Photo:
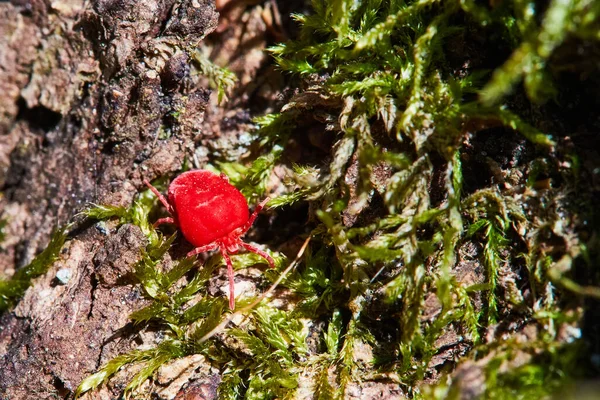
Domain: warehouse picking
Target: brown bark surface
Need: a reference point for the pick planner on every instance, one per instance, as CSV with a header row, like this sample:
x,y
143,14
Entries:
x,y
95,97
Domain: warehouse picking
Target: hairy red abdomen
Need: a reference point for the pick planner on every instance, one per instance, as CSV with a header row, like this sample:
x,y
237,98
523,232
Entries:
x,y
206,206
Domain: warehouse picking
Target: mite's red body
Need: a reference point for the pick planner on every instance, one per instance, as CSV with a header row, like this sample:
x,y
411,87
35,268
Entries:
x,y
207,207
211,214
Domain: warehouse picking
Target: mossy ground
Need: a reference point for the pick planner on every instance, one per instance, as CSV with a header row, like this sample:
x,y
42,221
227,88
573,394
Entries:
x,y
451,221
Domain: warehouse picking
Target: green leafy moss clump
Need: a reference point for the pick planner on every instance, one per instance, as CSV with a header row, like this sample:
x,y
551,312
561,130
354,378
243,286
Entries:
x,y
12,289
427,254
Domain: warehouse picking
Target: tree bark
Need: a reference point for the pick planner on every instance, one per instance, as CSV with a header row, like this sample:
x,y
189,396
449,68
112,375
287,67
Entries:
x,y
95,97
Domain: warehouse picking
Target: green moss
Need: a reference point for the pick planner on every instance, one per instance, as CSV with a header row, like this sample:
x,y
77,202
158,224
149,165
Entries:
x,y
3,223
544,375
220,78
12,289
384,77
528,61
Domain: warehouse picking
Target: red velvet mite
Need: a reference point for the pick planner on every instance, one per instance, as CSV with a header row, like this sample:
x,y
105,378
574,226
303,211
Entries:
x,y
211,214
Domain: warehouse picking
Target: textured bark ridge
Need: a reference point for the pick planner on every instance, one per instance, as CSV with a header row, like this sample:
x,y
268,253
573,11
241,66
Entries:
x,y
95,96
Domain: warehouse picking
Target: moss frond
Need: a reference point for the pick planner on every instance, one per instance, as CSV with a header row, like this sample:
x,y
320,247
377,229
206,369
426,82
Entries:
x,y
12,289
530,58
221,78
275,347
153,359
252,181
103,212
3,223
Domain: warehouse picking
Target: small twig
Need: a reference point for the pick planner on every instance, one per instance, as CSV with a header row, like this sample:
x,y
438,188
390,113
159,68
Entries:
x,y
217,329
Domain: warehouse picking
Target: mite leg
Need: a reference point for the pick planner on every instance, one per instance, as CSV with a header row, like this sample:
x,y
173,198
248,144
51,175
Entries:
x,y
230,276
163,221
201,249
258,251
162,198
252,218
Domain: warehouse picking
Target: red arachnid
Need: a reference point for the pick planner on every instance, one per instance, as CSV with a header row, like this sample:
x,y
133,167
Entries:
x,y
211,213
